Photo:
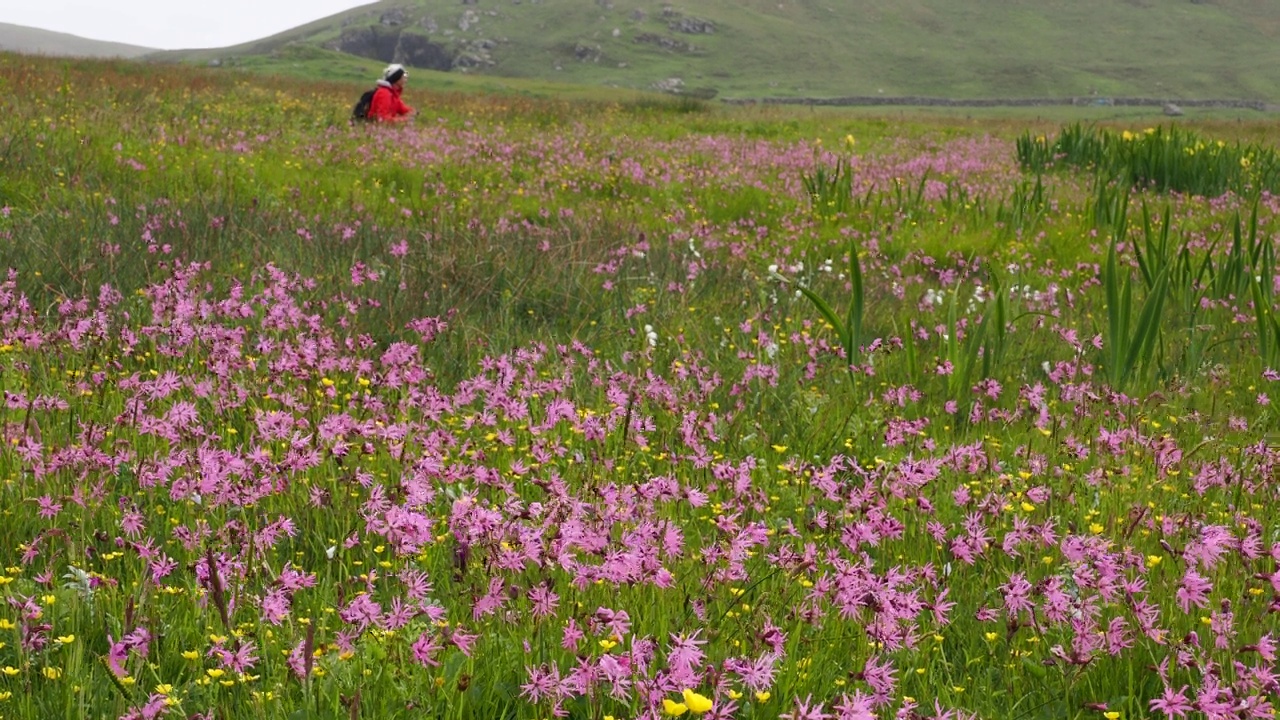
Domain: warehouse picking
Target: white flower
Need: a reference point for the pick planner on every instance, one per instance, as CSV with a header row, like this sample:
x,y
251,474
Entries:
x,y
773,268
79,581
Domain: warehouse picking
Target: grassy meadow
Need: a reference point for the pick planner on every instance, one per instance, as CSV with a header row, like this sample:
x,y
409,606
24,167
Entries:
x,y
628,407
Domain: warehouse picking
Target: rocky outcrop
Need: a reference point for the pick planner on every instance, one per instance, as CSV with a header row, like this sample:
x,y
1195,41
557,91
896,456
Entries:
x,y
474,54
692,26
679,22
370,41
394,17
394,44
419,51
587,52
664,42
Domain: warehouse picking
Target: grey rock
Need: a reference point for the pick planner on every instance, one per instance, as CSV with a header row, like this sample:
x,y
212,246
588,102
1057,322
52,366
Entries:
x,y
692,26
664,42
669,85
394,45
394,17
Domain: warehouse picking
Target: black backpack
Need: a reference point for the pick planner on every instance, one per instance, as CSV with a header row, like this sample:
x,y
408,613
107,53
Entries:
x,y
360,113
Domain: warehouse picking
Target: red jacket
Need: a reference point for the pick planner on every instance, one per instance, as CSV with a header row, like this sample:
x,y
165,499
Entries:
x,y
387,104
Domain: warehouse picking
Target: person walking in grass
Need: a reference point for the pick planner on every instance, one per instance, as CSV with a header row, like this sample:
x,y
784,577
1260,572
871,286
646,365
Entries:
x,y
387,105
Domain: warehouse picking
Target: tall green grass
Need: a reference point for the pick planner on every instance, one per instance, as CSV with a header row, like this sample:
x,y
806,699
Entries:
x,y
1162,158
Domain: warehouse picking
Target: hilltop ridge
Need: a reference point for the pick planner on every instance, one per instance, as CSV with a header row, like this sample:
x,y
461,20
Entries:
x,y
34,41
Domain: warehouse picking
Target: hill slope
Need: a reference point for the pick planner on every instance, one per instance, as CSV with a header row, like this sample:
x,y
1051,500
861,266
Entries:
x,y
788,48
34,41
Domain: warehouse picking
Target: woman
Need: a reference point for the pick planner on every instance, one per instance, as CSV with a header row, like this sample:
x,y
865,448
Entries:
x,y
387,105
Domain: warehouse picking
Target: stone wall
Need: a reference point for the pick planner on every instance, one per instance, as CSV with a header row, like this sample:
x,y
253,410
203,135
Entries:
x,y
909,101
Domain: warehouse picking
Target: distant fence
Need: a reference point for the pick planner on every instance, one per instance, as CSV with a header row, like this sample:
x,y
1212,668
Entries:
x,y
909,101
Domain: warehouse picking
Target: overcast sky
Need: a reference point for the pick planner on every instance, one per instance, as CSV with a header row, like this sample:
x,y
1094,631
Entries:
x,y
170,24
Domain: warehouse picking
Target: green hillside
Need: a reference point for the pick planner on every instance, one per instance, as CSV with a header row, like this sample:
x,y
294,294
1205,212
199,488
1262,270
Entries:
x,y
795,48
34,41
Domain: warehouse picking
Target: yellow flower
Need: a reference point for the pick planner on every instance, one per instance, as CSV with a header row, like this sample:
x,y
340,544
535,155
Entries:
x,y
607,645
66,639
1111,715
1153,560
6,624
734,695
215,673
10,670
779,448
762,696
164,689
672,708
52,673
698,704
190,655
1028,507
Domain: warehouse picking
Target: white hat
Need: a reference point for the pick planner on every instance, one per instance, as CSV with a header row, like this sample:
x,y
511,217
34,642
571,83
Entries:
x,y
394,70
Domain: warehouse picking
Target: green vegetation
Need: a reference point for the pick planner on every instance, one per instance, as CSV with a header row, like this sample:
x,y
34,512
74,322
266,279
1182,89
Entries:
x,y
762,48
621,407
1165,159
